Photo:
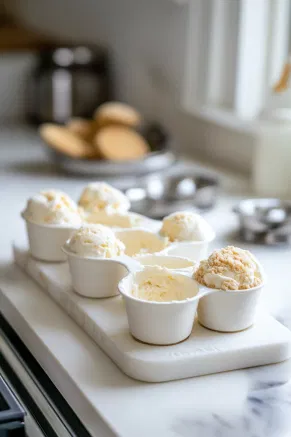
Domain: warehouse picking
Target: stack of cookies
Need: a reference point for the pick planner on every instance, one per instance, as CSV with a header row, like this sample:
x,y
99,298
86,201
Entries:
x,y
112,134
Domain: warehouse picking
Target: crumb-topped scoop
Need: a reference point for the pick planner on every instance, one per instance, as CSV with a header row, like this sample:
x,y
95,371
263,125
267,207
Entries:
x,y
230,268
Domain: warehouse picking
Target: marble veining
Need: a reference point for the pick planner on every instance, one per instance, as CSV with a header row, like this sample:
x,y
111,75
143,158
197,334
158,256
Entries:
x,y
267,412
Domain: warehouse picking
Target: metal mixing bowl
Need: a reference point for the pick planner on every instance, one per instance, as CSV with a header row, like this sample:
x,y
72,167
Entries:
x,y
266,221
159,195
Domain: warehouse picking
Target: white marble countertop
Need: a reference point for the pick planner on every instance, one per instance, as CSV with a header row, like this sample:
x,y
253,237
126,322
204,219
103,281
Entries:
x,y
248,403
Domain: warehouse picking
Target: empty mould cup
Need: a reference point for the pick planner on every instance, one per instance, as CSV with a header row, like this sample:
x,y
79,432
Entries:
x,y
193,250
116,220
141,241
162,322
177,263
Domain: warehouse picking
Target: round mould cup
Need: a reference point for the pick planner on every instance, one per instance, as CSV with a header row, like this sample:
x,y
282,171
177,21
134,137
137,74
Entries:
x,y
193,250
125,221
176,263
98,277
228,311
117,220
46,241
160,323
139,239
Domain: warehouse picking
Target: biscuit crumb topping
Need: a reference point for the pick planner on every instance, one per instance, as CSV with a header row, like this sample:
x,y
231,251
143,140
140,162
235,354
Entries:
x,y
230,268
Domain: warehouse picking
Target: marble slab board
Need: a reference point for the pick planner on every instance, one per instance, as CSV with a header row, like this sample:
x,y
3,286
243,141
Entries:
x,y
204,352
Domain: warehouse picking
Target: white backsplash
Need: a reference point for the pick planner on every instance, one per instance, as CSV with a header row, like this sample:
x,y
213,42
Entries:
x,y
15,69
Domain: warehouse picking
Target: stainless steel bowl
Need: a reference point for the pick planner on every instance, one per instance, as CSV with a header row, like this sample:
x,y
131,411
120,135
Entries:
x,y
265,221
159,195
155,161
159,158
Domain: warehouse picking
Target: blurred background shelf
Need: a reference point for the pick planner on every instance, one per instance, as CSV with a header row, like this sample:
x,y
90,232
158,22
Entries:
x,y
14,38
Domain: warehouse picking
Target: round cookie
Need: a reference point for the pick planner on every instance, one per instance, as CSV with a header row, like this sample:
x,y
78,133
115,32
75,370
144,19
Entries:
x,y
120,143
117,113
65,141
85,129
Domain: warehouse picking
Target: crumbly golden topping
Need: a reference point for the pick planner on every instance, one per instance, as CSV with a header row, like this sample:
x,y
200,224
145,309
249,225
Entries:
x,y
230,268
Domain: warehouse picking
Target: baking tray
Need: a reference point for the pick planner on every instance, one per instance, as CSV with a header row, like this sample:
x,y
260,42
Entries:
x,y
204,352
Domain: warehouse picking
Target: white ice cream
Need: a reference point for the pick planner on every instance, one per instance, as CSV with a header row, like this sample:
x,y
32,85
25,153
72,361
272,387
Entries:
x,y
95,241
159,284
230,268
186,226
139,241
100,196
52,207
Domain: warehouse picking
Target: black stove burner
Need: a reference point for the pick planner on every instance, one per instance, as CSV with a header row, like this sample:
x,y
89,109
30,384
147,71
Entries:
x,y
11,414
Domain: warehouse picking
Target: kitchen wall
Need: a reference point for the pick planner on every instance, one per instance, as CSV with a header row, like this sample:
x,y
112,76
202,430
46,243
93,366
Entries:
x,y
14,72
147,42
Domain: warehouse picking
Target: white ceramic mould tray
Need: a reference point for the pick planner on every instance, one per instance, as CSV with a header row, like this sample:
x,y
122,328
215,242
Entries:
x,y
204,352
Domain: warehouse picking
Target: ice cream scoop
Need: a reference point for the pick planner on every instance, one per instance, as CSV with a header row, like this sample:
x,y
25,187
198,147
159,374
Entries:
x,y
100,196
230,268
95,241
186,226
52,207
50,216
